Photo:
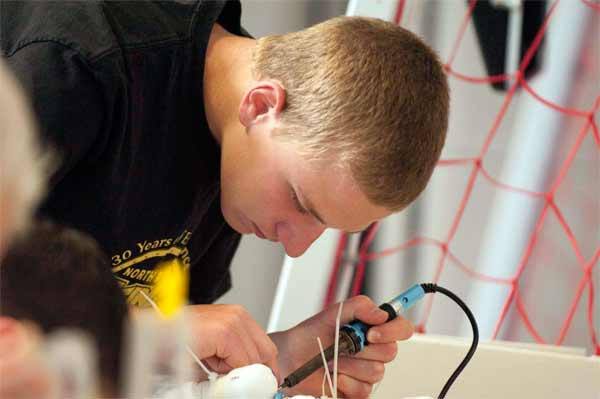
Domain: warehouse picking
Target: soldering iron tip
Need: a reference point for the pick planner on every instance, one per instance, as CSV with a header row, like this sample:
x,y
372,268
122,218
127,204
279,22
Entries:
x,y
284,384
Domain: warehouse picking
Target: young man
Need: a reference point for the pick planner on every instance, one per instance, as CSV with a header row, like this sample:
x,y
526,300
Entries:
x,y
178,133
57,277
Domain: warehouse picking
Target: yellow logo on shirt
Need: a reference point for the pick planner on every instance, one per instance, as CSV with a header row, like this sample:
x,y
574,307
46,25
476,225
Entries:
x,y
136,269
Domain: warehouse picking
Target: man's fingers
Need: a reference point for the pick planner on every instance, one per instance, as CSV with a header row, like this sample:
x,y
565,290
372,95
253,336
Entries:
x,y
367,371
274,366
363,308
261,347
266,348
352,388
217,365
396,330
235,348
380,352
248,341
229,333
358,307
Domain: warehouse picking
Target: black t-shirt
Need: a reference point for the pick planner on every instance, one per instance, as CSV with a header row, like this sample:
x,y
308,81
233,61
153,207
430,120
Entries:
x,y
117,88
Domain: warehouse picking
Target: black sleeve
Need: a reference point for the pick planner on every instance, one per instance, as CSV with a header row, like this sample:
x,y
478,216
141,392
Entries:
x,y
230,19
209,283
66,98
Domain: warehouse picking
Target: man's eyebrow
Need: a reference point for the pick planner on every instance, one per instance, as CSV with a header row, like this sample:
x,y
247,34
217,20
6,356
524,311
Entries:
x,y
311,209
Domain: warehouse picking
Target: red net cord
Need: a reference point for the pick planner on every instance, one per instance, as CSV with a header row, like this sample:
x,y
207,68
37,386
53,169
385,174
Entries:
x,y
477,170
399,12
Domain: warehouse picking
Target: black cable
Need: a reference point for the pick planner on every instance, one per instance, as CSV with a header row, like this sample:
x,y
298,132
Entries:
x,y
432,288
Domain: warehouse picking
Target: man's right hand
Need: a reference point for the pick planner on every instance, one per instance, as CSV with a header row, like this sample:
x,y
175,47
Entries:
x,y
227,337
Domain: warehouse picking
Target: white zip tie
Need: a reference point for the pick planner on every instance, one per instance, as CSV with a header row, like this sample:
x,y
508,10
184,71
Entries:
x,y
212,376
151,302
336,346
325,364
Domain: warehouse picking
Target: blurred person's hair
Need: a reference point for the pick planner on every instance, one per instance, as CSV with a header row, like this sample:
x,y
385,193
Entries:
x,y
59,278
364,95
22,175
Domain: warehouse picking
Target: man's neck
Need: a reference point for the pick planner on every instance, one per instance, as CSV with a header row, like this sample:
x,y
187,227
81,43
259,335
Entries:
x,y
227,72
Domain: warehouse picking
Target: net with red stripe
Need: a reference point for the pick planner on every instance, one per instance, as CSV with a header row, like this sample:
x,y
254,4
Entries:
x,y
553,204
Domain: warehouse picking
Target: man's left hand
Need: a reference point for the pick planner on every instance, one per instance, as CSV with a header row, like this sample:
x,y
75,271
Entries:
x,y
356,374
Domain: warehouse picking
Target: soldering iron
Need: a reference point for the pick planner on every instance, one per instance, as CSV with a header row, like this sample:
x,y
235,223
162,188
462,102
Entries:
x,y
353,336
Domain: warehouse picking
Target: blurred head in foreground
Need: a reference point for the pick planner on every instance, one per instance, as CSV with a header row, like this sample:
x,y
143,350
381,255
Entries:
x,y
58,278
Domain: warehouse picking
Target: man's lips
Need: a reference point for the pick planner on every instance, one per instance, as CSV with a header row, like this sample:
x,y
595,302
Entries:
x,y
257,231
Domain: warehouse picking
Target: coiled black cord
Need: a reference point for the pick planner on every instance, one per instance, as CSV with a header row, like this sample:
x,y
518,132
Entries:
x,y
432,288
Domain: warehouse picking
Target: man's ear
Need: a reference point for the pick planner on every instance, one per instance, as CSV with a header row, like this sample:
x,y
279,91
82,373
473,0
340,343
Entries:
x,y
263,100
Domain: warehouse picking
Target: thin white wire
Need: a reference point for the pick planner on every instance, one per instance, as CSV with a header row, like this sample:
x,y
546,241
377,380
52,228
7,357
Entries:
x,y
376,388
336,346
325,365
211,375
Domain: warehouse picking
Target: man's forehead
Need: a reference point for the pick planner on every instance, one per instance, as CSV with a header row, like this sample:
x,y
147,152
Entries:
x,y
331,192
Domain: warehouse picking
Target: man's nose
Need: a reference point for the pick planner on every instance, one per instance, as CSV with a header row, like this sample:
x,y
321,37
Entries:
x,y
306,236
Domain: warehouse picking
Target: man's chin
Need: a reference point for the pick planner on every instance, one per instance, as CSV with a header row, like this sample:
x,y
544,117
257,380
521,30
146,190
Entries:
x,y
294,253
236,222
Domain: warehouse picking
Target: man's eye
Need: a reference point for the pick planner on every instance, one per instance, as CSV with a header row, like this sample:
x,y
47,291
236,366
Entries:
x,y
297,203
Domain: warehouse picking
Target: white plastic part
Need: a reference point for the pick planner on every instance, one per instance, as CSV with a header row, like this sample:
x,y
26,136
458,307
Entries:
x,y
157,354
251,382
255,381
72,357
189,390
211,375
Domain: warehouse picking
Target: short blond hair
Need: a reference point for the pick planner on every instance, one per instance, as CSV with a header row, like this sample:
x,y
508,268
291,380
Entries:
x,y
366,94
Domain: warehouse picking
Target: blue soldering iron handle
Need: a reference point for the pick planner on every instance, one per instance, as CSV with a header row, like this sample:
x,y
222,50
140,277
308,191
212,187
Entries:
x,y
393,308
